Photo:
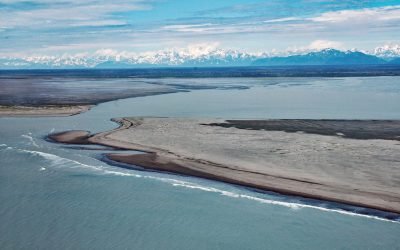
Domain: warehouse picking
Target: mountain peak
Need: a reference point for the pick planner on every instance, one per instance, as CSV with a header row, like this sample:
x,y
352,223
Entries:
x,y
329,50
195,56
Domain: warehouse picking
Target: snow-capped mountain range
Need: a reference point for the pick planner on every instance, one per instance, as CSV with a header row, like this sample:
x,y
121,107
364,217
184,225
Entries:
x,y
203,56
323,57
387,51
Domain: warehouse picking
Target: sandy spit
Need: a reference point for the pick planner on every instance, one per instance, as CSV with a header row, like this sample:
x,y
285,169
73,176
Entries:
x,y
358,172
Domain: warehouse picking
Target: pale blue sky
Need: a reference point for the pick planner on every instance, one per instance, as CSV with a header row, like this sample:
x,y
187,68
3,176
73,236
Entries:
x,y
51,27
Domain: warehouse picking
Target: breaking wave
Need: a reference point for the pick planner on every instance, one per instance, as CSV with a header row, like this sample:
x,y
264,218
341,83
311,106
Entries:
x,y
58,161
291,205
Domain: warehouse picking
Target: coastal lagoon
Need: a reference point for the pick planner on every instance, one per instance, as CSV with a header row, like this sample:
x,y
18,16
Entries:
x,y
62,196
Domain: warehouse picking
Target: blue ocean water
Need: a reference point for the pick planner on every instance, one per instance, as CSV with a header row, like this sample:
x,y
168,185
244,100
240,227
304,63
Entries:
x,y
54,196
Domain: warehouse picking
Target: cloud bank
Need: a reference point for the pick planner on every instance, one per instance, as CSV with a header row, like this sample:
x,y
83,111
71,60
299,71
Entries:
x,y
73,27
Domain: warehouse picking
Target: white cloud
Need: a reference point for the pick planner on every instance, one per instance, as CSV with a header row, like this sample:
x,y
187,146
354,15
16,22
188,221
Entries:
x,y
70,13
336,21
324,44
189,27
316,45
286,19
94,23
364,15
58,26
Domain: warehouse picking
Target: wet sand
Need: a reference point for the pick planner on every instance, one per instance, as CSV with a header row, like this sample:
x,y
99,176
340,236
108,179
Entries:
x,y
358,172
71,137
41,111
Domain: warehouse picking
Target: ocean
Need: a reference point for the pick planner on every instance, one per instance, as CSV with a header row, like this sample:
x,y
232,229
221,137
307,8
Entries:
x,y
55,196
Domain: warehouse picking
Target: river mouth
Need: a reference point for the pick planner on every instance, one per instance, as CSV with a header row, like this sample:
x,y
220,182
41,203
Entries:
x,y
70,194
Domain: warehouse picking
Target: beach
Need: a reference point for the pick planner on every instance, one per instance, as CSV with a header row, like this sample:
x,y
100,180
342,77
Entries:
x,y
305,163
43,111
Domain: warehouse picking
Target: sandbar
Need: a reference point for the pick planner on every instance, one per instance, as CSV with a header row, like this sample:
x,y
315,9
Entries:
x,y
360,172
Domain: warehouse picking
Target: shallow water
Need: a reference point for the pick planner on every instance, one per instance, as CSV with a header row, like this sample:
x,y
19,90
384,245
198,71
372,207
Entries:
x,y
53,196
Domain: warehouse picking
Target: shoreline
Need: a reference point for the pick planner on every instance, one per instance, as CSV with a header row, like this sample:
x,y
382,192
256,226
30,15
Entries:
x,y
159,159
35,97
43,110
152,161
63,110
296,198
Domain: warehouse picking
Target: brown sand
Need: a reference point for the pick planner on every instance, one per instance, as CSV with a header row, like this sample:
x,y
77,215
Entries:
x,y
71,137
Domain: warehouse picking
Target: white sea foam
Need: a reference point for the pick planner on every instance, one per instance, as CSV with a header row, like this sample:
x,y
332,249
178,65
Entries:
x,y
30,138
291,205
58,161
122,173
